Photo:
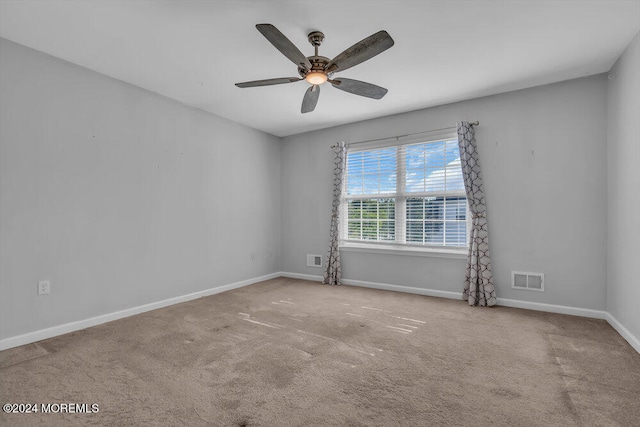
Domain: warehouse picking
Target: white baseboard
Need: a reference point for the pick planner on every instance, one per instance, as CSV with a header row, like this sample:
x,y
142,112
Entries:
x,y
53,331
301,276
553,308
405,289
624,332
383,286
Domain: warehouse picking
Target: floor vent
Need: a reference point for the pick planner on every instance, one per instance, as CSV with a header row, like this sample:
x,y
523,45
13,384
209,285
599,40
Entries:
x,y
527,281
314,260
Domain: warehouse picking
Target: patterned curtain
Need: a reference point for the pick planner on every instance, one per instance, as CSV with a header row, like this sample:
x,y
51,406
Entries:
x,y
333,272
478,285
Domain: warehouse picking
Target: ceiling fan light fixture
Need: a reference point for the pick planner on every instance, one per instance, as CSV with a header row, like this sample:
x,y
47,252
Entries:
x,y
316,78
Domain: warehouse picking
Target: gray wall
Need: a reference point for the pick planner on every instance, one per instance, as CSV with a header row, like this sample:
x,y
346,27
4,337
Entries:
x,y
121,197
623,291
543,154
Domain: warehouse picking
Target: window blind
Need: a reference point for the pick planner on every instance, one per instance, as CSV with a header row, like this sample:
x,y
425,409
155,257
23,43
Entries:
x,y
410,194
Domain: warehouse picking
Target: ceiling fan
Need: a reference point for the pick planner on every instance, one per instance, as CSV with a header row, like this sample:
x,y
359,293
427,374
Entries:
x,y
317,70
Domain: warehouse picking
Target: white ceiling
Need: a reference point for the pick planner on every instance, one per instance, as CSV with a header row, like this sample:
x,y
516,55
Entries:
x,y
445,51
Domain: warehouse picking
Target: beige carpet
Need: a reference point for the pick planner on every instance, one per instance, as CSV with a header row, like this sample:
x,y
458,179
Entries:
x,y
291,353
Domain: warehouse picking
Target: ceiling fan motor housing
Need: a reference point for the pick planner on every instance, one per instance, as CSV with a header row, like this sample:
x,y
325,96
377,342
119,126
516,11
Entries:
x,y
318,62
317,65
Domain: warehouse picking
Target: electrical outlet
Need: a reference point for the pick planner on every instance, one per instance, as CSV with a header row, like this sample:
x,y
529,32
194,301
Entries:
x,y
253,257
44,287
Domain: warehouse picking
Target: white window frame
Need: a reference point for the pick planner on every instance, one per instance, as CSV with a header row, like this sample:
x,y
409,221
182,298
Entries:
x,y
400,247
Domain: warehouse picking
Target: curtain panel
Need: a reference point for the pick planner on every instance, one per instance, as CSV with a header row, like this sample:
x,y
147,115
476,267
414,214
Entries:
x,y
478,285
333,271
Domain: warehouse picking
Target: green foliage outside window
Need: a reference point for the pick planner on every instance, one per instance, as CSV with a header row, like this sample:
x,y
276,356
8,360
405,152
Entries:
x,y
372,219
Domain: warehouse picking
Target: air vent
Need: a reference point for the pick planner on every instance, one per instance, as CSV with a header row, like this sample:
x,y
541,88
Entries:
x,y
527,281
314,260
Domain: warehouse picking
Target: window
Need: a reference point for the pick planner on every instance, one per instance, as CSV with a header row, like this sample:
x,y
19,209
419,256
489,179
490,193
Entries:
x,y
405,194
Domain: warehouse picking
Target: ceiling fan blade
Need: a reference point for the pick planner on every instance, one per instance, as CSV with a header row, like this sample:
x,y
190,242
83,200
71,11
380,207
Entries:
x,y
361,51
359,88
310,99
284,45
269,82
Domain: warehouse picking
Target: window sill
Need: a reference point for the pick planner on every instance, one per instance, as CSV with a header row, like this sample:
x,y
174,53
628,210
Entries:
x,y
458,253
